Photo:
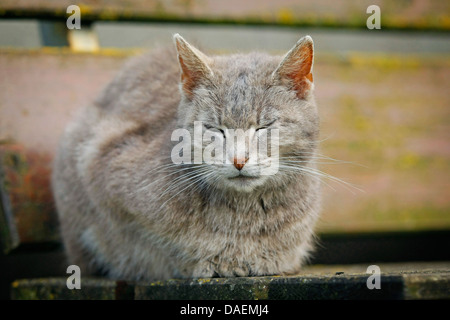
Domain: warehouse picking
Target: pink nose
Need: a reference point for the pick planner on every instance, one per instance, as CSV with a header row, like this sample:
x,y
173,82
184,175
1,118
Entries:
x,y
240,163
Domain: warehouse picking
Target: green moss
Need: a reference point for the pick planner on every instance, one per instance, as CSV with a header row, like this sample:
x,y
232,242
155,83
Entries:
x,y
182,11
351,114
286,16
260,290
399,216
413,161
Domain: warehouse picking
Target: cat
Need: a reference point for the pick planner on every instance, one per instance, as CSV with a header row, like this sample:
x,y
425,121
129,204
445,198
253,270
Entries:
x,y
127,211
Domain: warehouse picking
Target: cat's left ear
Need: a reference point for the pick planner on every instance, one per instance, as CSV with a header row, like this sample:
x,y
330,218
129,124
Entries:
x,y
193,63
295,70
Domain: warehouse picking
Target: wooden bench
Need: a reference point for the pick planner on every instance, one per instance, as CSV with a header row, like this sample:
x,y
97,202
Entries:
x,y
397,219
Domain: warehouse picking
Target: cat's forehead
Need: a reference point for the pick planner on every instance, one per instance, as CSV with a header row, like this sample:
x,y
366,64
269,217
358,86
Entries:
x,y
243,104
242,85
245,69
242,79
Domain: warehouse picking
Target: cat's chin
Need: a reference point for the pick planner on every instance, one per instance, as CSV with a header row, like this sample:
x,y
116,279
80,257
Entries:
x,y
243,183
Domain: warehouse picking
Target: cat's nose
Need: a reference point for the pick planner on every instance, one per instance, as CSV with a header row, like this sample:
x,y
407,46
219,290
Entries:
x,y
239,163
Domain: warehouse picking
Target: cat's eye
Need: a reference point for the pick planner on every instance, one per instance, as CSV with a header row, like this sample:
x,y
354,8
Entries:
x,y
266,125
209,127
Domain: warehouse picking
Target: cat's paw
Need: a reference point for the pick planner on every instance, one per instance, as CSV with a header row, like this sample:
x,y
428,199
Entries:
x,y
232,269
204,270
223,269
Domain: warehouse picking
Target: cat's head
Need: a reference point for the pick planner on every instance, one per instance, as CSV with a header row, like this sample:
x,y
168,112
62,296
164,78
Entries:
x,y
270,98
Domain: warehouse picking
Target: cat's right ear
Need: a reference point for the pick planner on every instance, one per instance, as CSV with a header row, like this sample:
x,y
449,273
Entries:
x,y
295,70
193,63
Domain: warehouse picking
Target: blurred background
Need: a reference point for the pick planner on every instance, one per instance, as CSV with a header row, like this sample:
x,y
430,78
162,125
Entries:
x,y
383,96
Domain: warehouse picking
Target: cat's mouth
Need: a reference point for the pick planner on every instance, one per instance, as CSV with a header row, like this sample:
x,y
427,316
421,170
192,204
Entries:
x,y
242,178
244,183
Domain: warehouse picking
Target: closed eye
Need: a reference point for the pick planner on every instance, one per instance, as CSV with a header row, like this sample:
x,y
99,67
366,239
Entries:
x,y
209,127
266,125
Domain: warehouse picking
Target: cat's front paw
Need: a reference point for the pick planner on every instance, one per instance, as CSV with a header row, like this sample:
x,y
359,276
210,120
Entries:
x,y
221,269
233,270
204,270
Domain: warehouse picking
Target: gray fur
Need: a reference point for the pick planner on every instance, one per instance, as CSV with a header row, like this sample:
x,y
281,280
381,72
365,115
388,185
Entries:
x,y
128,212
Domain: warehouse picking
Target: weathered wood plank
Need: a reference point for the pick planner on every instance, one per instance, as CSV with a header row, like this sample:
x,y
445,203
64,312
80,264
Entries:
x,y
27,204
399,15
398,146
409,281
40,93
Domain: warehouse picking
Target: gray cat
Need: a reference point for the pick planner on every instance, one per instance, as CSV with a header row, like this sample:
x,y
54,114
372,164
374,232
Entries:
x,y
128,210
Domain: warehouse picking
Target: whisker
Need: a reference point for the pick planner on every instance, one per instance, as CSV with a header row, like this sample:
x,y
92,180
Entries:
x,y
290,169
318,156
318,173
189,185
165,176
190,175
318,162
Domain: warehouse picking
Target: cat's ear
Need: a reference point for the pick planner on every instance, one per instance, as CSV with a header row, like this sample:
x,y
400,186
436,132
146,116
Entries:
x,y
295,70
193,63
